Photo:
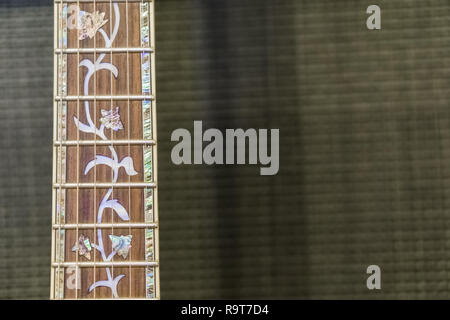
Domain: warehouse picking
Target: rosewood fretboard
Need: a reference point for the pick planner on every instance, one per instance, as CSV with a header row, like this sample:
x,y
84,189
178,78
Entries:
x,y
105,217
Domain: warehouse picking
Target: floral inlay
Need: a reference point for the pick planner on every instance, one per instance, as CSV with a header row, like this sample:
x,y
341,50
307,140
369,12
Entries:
x,y
121,244
87,23
89,26
83,246
111,119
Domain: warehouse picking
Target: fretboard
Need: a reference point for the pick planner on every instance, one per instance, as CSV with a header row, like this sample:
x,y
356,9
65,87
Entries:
x,y
105,201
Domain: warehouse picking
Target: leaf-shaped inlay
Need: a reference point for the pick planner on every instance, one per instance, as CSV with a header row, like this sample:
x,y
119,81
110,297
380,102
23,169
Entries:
x,y
126,163
82,127
99,160
110,284
118,208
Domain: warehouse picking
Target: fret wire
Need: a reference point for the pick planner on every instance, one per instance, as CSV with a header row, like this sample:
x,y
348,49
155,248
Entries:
x,y
104,50
70,226
105,185
90,264
101,142
118,97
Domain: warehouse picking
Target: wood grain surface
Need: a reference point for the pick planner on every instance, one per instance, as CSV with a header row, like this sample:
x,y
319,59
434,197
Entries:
x,y
82,204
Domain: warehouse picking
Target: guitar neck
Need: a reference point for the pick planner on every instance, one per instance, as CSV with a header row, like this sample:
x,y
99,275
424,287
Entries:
x,y
105,199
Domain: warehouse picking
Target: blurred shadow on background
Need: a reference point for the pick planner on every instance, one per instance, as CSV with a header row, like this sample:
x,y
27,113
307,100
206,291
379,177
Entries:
x,y
363,148
25,3
232,233
26,115
250,64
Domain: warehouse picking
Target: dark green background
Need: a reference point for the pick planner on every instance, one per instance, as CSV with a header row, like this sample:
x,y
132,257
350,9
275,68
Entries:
x,y
364,150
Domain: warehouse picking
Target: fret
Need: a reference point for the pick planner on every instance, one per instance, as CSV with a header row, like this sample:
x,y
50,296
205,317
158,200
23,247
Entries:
x,y
104,97
105,226
103,50
104,185
106,264
104,143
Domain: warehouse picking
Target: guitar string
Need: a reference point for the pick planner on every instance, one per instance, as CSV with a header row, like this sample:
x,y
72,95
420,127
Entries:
x,y
59,175
151,44
55,214
111,129
143,125
95,151
58,165
78,153
129,137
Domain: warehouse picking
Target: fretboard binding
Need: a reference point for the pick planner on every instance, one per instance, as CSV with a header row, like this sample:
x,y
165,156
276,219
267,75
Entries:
x,y
130,97
103,50
71,226
104,142
89,264
103,185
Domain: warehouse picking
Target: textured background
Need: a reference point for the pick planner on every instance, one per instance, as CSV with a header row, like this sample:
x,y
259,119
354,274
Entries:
x,y
364,149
